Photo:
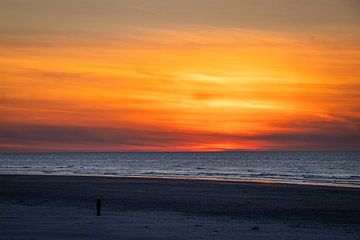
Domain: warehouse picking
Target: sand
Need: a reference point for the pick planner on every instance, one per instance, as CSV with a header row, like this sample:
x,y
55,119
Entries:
x,y
63,207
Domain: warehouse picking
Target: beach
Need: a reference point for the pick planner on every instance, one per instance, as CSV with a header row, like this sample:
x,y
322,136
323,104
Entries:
x,y
64,207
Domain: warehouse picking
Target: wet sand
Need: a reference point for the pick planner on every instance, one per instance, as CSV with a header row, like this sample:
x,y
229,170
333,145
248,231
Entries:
x,y
58,207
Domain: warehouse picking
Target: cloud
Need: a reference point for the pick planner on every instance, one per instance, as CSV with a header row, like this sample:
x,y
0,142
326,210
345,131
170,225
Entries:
x,y
263,14
72,137
38,134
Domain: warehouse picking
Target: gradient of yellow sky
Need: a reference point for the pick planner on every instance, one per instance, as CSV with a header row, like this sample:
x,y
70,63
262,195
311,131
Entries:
x,y
135,82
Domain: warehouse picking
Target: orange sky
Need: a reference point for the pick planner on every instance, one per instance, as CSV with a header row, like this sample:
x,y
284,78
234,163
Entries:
x,y
141,84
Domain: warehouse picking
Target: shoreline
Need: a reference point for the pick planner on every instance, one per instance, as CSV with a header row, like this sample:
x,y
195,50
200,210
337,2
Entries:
x,y
255,181
116,187
63,207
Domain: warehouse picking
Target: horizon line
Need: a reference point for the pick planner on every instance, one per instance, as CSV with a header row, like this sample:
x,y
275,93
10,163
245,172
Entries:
x,y
169,151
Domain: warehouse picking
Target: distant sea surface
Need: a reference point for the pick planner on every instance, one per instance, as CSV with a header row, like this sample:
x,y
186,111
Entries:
x,y
339,168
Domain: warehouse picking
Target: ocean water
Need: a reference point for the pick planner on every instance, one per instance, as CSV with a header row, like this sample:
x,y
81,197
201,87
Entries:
x,y
297,167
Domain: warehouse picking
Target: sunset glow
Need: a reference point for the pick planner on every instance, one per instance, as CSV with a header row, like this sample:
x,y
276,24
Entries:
x,y
182,86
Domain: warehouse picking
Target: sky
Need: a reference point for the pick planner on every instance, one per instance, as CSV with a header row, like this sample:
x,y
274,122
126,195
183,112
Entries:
x,y
168,75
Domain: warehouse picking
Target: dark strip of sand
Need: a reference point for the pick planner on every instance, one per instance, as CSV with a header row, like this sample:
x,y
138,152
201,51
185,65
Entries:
x,y
286,202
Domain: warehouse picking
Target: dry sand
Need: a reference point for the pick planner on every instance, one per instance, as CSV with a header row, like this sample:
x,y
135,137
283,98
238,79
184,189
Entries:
x,y
59,207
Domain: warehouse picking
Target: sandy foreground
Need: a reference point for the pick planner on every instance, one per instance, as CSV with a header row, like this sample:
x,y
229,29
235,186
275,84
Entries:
x,y
63,207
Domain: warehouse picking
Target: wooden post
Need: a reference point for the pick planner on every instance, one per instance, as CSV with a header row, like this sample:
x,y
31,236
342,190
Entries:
x,y
98,207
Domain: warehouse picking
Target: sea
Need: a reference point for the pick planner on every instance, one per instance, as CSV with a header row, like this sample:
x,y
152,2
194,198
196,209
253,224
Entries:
x,y
319,168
